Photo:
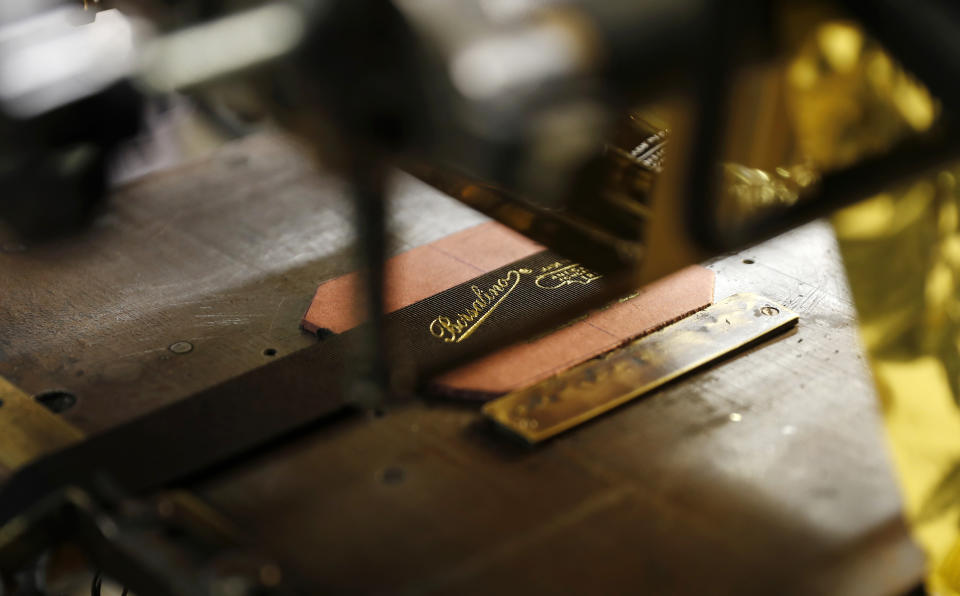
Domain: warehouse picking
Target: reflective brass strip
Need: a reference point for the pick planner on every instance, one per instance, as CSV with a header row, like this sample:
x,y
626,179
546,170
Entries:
x,y
28,430
586,391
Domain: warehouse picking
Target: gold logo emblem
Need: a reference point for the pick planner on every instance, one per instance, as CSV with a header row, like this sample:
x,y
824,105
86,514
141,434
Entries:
x,y
558,275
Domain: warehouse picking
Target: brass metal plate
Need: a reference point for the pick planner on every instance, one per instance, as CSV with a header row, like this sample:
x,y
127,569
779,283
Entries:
x,y
28,430
586,391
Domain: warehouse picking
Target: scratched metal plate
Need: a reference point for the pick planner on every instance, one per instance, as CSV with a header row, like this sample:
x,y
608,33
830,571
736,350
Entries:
x,y
586,391
28,430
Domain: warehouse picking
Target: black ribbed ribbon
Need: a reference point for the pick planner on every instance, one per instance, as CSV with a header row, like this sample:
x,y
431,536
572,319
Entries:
x,y
181,439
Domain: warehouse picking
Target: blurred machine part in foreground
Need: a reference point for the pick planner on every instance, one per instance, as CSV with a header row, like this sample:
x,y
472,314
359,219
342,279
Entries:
x,y
635,137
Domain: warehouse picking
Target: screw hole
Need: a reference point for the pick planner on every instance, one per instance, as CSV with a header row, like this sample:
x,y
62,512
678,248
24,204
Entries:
x,y
1,403
770,311
237,161
270,352
56,401
392,475
748,261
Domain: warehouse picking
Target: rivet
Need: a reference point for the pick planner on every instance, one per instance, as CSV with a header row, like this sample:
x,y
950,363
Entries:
x,y
181,347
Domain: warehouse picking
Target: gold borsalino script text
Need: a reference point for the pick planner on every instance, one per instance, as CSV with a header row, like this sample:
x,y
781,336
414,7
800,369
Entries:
x,y
458,327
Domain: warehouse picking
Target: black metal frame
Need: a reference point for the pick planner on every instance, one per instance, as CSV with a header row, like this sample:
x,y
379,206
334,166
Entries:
x,y
923,35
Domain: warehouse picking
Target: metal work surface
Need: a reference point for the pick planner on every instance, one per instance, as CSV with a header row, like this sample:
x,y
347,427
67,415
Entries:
x,y
766,474
193,277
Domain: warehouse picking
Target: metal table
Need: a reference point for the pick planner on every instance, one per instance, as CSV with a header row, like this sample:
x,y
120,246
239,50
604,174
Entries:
x,y
765,474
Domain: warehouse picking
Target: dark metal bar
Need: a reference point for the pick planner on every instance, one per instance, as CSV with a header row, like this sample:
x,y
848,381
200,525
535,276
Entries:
x,y
847,186
369,377
248,411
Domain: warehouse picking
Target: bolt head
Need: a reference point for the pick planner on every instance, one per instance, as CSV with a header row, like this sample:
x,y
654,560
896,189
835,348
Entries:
x,y
181,347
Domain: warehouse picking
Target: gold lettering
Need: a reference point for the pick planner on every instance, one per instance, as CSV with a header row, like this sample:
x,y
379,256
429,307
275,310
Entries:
x,y
459,329
482,300
440,327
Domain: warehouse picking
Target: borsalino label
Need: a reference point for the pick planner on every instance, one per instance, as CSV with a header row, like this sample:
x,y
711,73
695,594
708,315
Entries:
x,y
456,327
